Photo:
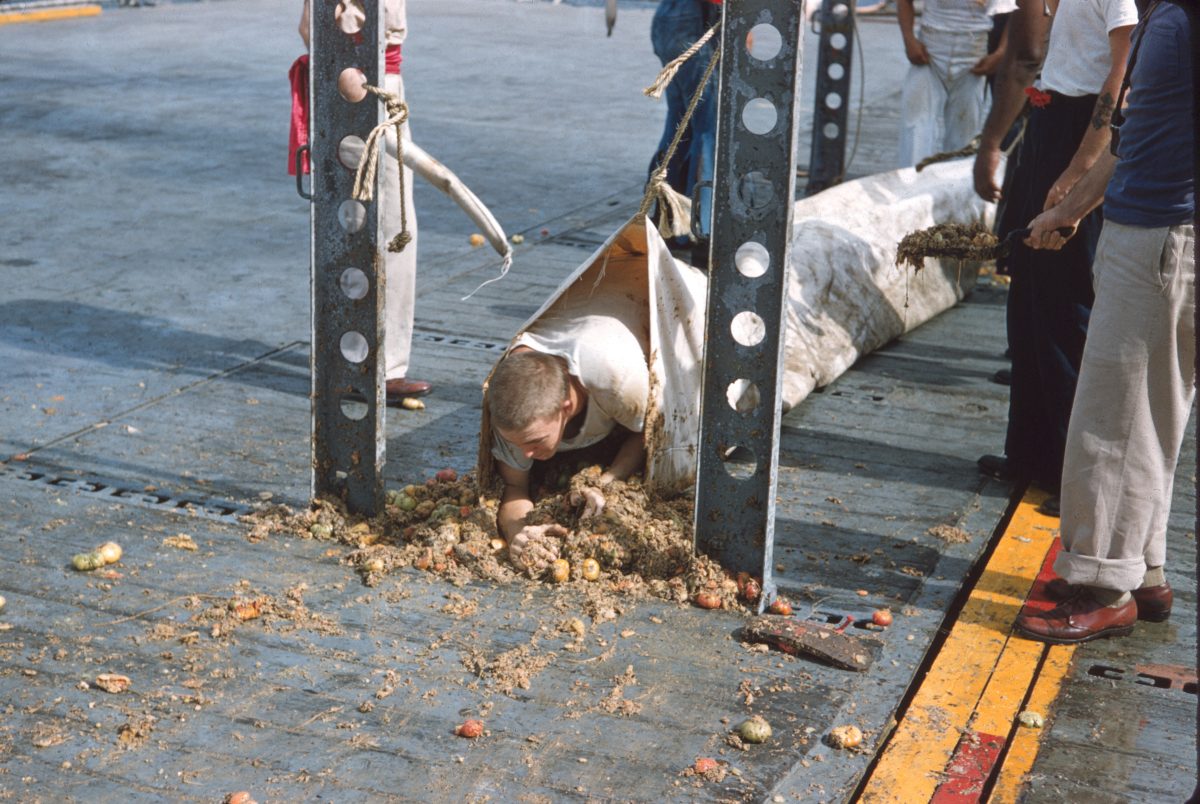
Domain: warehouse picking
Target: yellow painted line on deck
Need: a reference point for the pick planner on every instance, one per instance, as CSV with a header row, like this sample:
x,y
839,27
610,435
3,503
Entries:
x,y
48,14
980,675
1023,748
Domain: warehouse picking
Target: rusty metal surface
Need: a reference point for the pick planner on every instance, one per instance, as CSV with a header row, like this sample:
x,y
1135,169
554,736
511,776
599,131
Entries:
x,y
752,209
348,448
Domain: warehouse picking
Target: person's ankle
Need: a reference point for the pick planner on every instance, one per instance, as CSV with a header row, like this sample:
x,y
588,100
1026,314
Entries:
x,y
1109,597
1154,577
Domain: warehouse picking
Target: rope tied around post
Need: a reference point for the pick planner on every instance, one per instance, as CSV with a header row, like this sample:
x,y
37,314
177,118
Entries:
x,y
368,163
674,218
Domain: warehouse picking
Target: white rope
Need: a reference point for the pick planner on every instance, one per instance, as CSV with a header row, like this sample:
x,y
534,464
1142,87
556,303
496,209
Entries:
x,y
669,69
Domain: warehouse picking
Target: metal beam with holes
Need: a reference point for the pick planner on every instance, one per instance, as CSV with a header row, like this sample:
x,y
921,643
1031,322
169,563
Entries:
x,y
831,112
754,187
347,273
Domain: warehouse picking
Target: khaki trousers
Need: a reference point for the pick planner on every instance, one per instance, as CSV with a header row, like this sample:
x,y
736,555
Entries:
x,y
1132,403
400,270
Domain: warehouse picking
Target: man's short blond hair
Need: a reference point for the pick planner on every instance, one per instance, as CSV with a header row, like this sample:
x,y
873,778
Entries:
x,y
525,387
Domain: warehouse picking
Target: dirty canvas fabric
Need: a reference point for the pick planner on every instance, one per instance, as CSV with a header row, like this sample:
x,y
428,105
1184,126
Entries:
x,y
846,297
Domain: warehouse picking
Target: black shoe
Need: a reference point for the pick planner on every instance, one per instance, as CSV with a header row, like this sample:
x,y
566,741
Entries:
x,y
1051,506
1002,377
999,467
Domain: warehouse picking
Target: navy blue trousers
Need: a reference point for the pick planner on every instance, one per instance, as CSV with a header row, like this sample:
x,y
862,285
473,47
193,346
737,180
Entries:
x,y
676,26
1050,298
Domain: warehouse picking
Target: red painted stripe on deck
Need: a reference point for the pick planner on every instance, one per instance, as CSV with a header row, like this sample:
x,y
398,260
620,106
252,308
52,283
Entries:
x,y
969,768
1037,600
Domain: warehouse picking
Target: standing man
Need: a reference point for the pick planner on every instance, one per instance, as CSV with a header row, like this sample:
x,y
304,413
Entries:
x,y
1050,297
942,101
676,26
1138,377
400,268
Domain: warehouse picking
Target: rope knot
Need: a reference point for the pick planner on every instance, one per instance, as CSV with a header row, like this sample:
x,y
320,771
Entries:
x,y
368,164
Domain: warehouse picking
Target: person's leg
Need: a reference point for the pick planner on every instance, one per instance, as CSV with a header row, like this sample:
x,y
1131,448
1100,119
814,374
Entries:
x,y
1060,287
1021,190
1063,297
1134,396
676,26
925,96
921,100
400,269
964,110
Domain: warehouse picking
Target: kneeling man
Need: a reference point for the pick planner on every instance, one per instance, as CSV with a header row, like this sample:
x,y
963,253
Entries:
x,y
568,382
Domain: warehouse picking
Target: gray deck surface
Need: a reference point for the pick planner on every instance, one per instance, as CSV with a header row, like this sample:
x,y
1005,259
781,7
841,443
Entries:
x,y
153,329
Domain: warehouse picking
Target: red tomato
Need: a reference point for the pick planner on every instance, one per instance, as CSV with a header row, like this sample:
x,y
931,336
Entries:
x,y
781,607
469,729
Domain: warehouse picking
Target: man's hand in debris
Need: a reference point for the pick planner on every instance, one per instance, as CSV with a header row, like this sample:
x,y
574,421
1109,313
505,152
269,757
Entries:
x,y
535,547
592,500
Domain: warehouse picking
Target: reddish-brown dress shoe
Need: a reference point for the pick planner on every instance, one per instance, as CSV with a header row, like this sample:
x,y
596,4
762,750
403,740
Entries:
x,y
404,387
1080,618
1153,602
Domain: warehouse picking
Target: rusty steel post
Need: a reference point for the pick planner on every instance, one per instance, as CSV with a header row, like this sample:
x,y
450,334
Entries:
x,y
754,188
348,448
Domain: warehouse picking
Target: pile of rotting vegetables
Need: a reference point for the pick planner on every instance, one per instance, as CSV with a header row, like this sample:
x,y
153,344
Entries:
x,y
639,545
971,241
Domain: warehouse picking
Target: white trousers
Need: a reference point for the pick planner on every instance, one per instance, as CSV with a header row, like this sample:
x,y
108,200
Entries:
x,y
1132,403
400,269
942,103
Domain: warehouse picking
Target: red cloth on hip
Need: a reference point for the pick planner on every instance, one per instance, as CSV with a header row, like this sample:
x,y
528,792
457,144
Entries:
x,y
298,133
392,59
298,76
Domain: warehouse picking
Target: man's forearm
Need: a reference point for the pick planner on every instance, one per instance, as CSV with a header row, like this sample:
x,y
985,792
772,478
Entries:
x,y
1088,192
510,518
906,16
629,459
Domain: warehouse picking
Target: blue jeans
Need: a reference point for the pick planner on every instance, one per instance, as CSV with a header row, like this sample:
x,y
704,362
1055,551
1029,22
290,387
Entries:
x,y
676,26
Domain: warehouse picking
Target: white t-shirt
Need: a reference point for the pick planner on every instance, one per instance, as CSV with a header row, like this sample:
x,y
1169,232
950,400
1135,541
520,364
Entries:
x,y
960,16
1078,57
604,337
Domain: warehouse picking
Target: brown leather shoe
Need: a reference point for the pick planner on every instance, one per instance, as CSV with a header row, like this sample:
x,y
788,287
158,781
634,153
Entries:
x,y
1153,602
1080,618
404,387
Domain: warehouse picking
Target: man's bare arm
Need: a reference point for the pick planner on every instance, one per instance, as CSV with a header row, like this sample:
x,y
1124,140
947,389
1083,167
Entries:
x,y
991,62
914,48
628,460
1085,196
515,502
304,33
1028,29
1095,140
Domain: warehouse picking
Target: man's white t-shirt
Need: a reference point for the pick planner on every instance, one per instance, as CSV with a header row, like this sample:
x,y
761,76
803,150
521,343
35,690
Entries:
x,y
604,338
960,16
1078,57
